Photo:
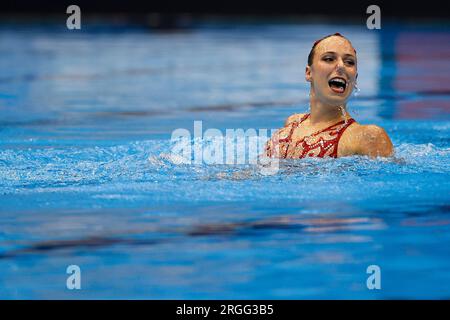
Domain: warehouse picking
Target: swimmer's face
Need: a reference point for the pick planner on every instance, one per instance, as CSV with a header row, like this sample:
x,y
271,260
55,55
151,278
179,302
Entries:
x,y
333,71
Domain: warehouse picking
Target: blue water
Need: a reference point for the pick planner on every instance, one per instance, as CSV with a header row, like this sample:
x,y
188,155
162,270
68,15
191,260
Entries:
x,y
87,176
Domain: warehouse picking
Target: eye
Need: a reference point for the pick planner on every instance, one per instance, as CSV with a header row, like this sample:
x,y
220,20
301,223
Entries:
x,y
328,59
350,62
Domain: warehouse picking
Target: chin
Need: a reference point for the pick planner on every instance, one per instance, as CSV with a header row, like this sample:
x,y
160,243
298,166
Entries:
x,y
333,98
337,101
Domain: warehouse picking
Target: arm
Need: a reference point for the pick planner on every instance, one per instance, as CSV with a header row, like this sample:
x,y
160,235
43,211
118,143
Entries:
x,y
374,142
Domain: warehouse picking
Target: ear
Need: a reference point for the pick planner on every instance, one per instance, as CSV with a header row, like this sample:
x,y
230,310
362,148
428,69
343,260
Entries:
x,y
308,74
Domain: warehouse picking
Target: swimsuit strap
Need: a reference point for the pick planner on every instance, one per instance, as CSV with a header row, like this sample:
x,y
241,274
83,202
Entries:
x,y
294,125
304,118
339,135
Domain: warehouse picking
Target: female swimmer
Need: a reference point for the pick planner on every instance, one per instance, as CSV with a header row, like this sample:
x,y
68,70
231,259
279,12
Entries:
x,y
328,130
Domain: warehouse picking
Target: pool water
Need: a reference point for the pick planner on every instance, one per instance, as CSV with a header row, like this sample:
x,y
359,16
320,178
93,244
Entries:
x,y
87,176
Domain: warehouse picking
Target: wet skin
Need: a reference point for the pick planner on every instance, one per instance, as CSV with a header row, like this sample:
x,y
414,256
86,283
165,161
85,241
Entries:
x,y
333,75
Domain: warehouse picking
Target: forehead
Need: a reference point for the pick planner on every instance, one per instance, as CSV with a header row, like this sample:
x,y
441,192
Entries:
x,y
336,44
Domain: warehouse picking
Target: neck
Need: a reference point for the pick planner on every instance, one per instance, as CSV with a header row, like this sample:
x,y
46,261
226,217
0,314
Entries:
x,y
323,113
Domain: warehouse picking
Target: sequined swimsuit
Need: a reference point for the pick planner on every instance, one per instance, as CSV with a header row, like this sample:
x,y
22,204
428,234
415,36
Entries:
x,y
321,144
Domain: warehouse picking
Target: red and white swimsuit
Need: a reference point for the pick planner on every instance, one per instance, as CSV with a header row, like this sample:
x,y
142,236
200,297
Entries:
x,y
321,144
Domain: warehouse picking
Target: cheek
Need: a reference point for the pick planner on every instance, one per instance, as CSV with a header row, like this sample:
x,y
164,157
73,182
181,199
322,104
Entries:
x,y
353,72
324,70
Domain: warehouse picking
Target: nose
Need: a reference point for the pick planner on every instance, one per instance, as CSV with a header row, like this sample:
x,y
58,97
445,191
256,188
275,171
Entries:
x,y
340,65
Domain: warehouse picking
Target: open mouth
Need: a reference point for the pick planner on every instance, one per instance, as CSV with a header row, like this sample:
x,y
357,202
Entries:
x,y
337,84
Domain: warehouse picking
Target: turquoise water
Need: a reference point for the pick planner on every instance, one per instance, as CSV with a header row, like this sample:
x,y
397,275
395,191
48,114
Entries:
x,y
87,176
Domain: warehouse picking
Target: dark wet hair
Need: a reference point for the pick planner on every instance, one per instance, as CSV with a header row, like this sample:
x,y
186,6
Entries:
x,y
311,53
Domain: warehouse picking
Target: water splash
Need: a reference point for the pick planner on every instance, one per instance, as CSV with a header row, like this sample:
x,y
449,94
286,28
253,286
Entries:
x,y
356,91
344,115
148,162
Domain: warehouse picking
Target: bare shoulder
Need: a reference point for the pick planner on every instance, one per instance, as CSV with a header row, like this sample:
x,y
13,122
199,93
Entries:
x,y
294,117
372,140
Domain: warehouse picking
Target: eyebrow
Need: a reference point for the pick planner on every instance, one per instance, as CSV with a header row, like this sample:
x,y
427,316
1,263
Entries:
x,y
332,52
